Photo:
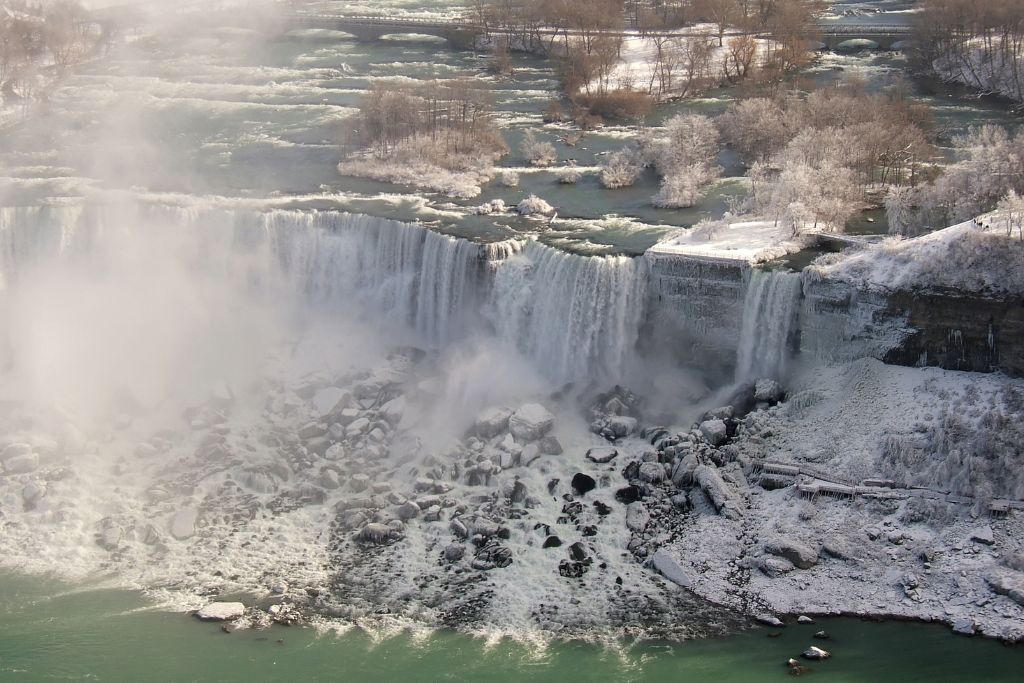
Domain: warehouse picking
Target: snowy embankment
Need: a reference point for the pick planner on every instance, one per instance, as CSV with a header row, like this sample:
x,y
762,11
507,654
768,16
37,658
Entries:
x,y
749,242
805,540
983,70
976,257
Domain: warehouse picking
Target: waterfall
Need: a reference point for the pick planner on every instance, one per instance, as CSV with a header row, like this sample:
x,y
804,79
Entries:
x,y
399,273
770,311
574,316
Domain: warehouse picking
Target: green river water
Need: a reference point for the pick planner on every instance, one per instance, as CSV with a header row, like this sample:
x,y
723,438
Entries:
x,y
51,632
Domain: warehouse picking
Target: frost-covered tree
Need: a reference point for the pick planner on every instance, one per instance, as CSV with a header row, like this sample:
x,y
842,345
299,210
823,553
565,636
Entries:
x,y
1011,213
684,153
991,165
684,186
621,168
536,152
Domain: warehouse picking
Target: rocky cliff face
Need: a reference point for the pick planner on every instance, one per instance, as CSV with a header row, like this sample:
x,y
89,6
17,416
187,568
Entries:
x,y
951,330
695,309
958,332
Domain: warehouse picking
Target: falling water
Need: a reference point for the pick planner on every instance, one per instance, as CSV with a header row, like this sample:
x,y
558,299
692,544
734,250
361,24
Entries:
x,y
574,317
770,311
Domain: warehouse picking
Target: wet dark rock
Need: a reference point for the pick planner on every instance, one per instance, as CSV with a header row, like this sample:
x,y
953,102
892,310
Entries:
x,y
573,508
629,494
578,551
631,471
549,445
552,542
493,555
519,492
602,454
583,483
454,552
375,533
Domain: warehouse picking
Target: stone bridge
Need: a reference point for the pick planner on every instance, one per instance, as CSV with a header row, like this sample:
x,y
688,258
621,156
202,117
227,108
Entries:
x,y
851,36
371,28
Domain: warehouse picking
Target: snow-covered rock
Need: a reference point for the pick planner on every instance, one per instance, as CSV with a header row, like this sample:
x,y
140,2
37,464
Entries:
x,y
221,611
21,464
768,390
490,422
798,553
983,534
183,523
714,431
601,454
393,411
330,400
530,422
637,516
672,570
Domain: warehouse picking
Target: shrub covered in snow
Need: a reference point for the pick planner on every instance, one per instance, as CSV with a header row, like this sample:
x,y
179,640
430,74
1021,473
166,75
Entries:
x,y
534,205
569,176
493,206
537,153
621,169
510,179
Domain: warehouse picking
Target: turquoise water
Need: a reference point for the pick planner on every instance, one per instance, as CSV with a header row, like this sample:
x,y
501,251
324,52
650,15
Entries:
x,y
50,632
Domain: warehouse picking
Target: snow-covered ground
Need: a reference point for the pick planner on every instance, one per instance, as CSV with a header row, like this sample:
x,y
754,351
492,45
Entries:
x,y
988,72
896,555
746,241
973,256
638,65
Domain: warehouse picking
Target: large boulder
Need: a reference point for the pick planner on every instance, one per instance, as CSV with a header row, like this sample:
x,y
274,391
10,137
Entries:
x,y
983,534
801,555
183,523
714,431
330,400
221,611
22,464
652,472
14,449
767,390
621,425
393,410
672,570
637,517
491,422
530,422
1007,582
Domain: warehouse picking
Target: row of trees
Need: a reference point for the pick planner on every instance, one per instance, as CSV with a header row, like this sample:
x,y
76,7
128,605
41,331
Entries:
x,y
980,44
989,175
815,159
586,36
447,119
